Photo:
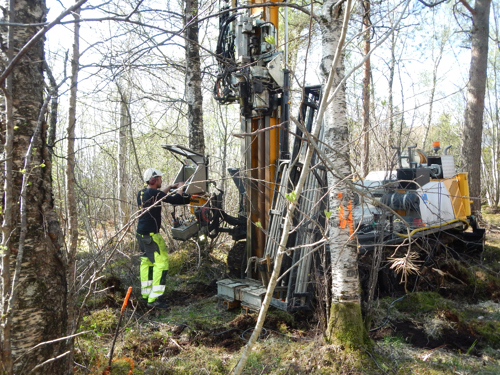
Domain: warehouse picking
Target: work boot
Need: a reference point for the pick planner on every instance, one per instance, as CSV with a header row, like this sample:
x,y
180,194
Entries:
x,y
158,305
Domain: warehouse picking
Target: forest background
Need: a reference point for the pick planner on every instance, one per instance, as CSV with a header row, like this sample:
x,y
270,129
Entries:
x,y
131,98
418,84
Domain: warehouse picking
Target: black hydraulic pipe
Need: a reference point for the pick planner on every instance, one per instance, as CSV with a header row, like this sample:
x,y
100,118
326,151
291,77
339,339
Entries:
x,y
285,117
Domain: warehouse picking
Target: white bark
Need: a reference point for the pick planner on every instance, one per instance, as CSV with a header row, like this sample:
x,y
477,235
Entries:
x,y
335,58
39,310
194,97
72,212
8,208
345,284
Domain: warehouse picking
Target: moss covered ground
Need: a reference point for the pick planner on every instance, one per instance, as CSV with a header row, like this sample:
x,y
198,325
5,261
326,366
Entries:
x,y
450,327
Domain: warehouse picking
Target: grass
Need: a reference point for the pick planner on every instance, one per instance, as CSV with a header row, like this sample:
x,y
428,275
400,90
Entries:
x,y
490,216
152,343
196,336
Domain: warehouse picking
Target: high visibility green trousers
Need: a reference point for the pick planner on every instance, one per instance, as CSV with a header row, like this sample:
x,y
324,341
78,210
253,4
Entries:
x,y
154,265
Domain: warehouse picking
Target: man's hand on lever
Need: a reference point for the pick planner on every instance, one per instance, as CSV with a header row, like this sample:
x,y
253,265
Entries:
x,y
174,188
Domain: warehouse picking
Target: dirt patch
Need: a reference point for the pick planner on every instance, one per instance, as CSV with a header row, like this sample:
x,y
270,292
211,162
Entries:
x,y
239,330
153,346
201,290
462,339
195,292
229,339
243,322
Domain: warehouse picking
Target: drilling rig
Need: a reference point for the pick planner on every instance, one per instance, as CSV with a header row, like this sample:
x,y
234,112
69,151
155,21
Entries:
x,y
251,73
424,195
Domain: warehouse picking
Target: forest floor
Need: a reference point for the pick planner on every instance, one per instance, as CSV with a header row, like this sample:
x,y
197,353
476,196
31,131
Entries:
x,y
448,324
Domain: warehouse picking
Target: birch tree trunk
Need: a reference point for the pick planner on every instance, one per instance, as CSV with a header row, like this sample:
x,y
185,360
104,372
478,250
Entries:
x,y
291,207
123,207
70,169
72,211
365,167
345,326
473,122
38,314
194,96
390,104
8,206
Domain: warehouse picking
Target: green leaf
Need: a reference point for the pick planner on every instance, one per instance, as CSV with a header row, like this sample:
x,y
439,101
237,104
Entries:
x,y
42,165
292,196
328,214
258,224
270,39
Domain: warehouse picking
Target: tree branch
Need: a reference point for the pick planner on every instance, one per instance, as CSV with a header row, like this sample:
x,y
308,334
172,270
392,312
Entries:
x,y
431,5
260,5
36,38
466,5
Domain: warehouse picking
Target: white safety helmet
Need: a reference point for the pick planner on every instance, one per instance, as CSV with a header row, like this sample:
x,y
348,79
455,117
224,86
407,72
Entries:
x,y
150,173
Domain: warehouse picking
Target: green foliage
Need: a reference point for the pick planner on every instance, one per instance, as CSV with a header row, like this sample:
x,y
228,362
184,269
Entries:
x,y
394,340
100,321
207,359
255,361
447,133
177,260
281,316
489,330
479,282
202,315
270,39
292,196
298,31
122,366
423,303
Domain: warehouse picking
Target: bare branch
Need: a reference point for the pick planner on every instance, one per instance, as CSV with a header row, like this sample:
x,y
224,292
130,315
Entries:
x,y
466,5
36,38
50,360
431,5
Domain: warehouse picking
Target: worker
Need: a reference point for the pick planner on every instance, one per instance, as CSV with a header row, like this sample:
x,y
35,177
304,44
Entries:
x,y
154,257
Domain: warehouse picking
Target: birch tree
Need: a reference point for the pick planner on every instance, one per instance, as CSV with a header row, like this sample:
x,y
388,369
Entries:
x,y
366,90
123,204
345,326
194,96
33,290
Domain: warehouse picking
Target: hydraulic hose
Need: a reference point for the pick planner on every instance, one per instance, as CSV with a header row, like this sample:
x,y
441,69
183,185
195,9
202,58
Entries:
x,y
432,227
